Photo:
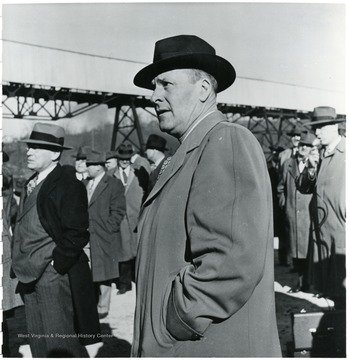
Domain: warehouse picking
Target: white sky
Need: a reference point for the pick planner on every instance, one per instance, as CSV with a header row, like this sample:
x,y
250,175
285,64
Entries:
x,y
297,43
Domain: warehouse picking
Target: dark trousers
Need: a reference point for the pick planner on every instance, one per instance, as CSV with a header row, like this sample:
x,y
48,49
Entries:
x,y
50,316
127,274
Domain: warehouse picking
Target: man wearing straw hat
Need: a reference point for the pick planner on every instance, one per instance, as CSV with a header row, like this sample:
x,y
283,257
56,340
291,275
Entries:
x,y
324,177
48,258
204,268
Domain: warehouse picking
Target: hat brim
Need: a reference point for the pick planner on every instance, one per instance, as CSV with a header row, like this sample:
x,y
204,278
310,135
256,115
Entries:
x,y
124,157
214,65
48,143
323,122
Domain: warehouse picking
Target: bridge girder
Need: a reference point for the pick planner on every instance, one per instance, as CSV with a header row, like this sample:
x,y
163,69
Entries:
x,y
38,102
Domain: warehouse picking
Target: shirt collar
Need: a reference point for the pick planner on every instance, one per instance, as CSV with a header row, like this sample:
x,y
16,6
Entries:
x,y
43,174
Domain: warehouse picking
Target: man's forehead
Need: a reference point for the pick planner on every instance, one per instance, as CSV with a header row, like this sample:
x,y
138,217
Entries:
x,y
171,74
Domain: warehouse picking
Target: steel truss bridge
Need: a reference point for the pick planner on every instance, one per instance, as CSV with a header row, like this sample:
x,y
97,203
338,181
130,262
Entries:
x,y
37,102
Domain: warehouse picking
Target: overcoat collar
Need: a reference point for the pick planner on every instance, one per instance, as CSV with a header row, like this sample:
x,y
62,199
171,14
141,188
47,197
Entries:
x,y
190,143
130,177
99,189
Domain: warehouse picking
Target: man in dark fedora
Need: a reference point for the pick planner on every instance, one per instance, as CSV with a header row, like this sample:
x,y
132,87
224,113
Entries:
x,y
204,269
80,162
48,258
111,161
135,181
106,208
155,150
324,177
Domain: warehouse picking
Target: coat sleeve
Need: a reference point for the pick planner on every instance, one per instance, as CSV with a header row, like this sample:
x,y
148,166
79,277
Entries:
x,y
229,224
117,205
73,226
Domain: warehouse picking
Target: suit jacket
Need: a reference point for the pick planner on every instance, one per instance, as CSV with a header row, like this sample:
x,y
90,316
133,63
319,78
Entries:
x,y
296,208
328,217
62,208
134,192
107,208
204,267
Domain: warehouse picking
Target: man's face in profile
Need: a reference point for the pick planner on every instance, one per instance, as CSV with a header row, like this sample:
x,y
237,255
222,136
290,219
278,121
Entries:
x,y
176,97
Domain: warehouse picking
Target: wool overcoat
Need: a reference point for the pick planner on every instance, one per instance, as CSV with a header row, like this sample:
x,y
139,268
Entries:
x,y
296,208
63,213
106,210
134,192
328,216
205,261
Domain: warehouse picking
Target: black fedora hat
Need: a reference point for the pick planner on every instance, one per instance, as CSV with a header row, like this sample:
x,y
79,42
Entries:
x,y
110,155
95,158
186,52
49,135
324,115
156,142
82,153
296,131
307,138
124,152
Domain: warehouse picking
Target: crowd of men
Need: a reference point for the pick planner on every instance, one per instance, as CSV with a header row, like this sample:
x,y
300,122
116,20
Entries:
x,y
194,231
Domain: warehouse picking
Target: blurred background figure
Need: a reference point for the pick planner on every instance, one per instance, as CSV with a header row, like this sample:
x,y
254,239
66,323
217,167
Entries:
x,y
295,206
324,177
12,303
295,135
111,161
80,162
155,150
273,170
135,181
106,210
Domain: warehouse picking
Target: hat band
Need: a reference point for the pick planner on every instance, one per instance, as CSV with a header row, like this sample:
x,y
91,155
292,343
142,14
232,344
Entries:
x,y
324,117
35,135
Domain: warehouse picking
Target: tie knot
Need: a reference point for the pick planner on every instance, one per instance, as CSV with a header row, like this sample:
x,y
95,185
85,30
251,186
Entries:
x,y
31,185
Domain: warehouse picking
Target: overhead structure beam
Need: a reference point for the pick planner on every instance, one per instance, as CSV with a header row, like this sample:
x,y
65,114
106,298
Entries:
x,y
38,102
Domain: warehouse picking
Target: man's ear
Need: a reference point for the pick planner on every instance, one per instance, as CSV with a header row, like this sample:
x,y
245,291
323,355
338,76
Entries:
x,y
55,155
205,90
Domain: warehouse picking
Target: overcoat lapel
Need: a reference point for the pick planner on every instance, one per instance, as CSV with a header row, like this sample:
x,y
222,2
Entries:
x,y
293,168
99,189
192,142
130,178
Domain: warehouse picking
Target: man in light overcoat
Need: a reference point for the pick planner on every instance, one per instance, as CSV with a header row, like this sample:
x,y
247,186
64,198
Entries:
x,y
205,260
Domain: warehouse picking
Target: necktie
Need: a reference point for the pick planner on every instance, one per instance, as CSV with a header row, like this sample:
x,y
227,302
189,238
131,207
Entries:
x,y
124,176
164,166
90,189
31,185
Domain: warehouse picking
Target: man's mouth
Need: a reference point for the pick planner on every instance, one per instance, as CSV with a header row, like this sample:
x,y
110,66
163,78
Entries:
x,y
161,111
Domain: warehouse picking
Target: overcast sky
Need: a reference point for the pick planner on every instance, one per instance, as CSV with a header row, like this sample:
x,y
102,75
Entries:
x,y
294,43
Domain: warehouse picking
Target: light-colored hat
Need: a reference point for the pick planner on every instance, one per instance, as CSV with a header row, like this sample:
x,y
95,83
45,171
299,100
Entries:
x,y
324,115
47,134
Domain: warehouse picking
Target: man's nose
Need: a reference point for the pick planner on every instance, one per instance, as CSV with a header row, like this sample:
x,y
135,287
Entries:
x,y
317,132
30,151
156,95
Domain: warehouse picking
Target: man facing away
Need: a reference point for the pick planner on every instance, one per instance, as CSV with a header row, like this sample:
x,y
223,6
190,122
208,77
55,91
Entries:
x,y
48,258
204,268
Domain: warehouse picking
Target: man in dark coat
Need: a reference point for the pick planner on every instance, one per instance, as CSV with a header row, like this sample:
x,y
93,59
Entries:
x,y
107,207
48,257
205,259
295,206
155,150
324,177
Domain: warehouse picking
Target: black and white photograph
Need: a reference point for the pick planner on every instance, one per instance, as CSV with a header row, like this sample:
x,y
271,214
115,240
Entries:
x,y
173,179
